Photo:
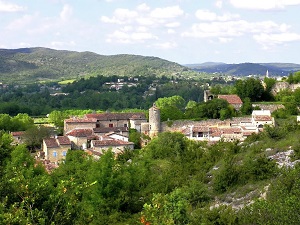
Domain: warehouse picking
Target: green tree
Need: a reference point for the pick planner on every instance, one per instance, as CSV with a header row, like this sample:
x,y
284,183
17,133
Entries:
x,y
251,88
171,107
22,122
246,108
33,137
57,118
169,209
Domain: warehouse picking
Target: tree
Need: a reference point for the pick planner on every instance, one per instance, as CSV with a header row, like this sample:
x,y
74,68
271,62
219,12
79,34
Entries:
x,y
22,122
135,137
269,83
251,88
247,108
169,209
57,118
33,137
171,107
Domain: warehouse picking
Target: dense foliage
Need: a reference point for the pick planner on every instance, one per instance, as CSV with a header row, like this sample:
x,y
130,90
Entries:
x,y
170,181
96,93
29,65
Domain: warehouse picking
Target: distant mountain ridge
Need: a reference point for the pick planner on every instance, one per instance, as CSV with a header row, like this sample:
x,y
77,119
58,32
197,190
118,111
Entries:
x,y
245,69
42,64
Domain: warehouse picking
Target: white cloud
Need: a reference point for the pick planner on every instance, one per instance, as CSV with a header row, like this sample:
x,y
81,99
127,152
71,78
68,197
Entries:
x,y
121,16
224,40
233,29
145,23
171,31
62,44
66,12
268,40
167,12
143,7
219,4
130,37
10,7
21,22
172,24
166,45
206,15
263,4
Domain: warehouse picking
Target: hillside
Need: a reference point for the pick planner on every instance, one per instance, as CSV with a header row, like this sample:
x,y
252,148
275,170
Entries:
x,y
42,64
245,69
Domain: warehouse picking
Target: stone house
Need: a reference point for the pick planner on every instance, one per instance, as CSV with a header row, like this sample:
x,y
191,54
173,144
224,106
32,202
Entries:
x,y
80,138
79,123
17,137
233,100
110,121
129,120
99,131
261,118
55,149
116,146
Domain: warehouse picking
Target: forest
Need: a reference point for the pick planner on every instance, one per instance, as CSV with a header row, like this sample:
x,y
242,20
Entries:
x,y
93,94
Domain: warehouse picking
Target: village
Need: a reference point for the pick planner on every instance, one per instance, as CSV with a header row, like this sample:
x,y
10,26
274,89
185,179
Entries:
x,y
96,133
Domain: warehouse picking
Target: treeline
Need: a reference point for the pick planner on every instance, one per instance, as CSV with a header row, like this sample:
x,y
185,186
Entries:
x,y
93,94
170,181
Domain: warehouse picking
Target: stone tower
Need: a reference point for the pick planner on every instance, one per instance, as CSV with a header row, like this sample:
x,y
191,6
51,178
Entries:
x,y
154,121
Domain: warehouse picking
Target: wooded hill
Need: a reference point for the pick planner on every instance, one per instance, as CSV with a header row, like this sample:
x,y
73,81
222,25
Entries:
x,y
42,64
245,69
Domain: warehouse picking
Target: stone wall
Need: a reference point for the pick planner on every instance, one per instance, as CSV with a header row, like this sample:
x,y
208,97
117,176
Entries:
x,y
271,107
178,125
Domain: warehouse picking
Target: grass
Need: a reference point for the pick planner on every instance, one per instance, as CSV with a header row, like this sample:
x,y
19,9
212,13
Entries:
x,y
64,82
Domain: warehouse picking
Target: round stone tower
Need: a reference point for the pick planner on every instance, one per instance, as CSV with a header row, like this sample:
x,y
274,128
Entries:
x,y
154,121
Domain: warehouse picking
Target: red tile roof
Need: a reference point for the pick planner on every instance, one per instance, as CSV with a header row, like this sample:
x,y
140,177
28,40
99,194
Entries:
x,y
231,99
63,140
110,129
115,116
51,143
81,120
263,118
113,142
80,132
200,129
17,133
232,130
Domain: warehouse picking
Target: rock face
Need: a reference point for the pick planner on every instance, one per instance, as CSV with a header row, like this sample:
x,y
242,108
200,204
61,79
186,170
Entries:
x,y
283,159
279,86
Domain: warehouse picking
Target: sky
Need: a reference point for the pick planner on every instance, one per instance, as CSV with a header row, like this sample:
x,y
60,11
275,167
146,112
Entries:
x,y
182,31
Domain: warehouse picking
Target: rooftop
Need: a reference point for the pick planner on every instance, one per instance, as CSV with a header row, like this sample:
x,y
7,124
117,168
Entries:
x,y
231,99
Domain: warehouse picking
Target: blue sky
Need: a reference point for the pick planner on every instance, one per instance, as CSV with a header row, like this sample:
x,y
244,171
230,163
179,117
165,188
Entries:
x,y
182,31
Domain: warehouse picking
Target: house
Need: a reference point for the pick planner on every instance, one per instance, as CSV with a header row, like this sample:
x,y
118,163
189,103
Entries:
x,y
55,149
116,146
17,137
113,121
80,138
233,100
83,123
261,118
117,136
124,131
132,120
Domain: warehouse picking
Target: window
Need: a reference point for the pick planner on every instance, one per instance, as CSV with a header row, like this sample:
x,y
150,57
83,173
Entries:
x,y
110,125
54,154
125,124
64,153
